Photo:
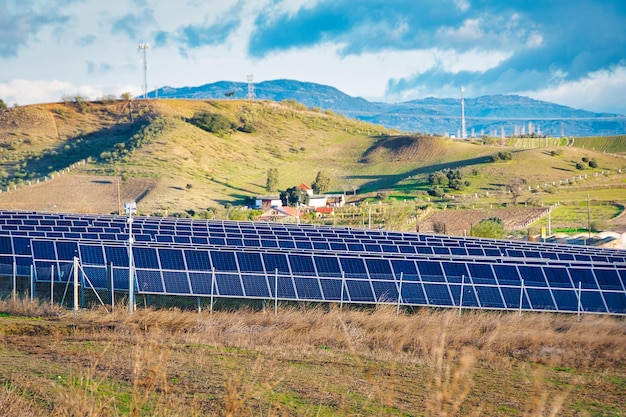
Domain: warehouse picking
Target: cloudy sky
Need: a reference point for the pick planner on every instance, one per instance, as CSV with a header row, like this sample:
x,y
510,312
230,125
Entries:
x,y
571,52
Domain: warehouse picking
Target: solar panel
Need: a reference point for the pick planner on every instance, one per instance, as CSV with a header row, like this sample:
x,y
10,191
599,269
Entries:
x,y
183,257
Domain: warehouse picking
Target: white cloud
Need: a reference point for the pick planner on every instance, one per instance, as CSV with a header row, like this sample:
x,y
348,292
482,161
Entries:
x,y
601,91
24,92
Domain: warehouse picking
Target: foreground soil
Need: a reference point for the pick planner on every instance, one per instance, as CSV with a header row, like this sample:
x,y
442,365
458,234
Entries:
x,y
309,361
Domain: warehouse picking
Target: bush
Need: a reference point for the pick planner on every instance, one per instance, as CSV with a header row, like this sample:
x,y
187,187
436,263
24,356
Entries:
x,y
501,156
436,191
490,228
211,122
437,178
593,164
580,166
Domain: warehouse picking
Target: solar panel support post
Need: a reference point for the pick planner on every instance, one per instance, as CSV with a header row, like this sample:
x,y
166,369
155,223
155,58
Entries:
x,y
32,282
580,294
521,296
14,283
75,284
461,295
111,284
275,291
198,305
82,288
51,285
399,294
343,283
212,285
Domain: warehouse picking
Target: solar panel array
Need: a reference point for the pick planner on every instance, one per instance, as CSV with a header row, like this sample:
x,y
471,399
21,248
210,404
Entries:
x,y
307,263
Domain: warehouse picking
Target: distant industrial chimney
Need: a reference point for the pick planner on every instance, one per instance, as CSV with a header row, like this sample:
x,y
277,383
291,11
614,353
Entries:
x,y
463,131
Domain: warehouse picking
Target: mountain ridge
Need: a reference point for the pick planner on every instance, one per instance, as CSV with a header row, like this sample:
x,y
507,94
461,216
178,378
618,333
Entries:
x,y
490,115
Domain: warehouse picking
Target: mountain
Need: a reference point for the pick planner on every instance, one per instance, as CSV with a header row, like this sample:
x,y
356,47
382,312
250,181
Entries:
x,y
484,115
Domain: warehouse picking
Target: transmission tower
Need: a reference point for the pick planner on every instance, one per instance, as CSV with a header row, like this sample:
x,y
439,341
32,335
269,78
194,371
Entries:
x,y
250,95
144,47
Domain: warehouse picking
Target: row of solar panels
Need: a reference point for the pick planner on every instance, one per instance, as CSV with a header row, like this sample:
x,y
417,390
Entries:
x,y
23,251
346,273
294,236
225,272
313,262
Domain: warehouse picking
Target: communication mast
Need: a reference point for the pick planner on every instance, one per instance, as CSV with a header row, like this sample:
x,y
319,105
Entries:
x,y
250,95
463,131
144,47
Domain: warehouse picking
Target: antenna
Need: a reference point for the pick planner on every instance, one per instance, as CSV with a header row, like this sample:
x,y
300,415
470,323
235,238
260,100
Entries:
x,y
463,131
144,47
250,95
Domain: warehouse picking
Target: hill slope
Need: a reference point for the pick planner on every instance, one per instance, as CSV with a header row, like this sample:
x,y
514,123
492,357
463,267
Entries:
x,y
484,115
92,156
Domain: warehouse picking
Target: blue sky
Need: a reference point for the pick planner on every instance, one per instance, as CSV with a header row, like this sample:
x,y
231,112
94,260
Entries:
x,y
568,52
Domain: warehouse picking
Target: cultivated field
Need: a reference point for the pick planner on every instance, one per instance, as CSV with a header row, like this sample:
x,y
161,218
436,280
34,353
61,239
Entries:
x,y
457,222
309,361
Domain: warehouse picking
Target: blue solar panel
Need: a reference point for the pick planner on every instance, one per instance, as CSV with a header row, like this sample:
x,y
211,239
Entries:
x,y
176,282
371,261
172,259
145,258
301,264
224,261
308,288
256,286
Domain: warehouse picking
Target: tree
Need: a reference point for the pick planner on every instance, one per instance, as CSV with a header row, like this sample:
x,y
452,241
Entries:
x,y
3,105
490,228
321,183
294,196
271,184
437,178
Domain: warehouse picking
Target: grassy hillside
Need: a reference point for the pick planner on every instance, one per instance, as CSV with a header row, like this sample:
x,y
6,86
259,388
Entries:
x,y
91,156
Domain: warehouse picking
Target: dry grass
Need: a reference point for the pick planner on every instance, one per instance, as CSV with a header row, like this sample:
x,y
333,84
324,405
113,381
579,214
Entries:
x,y
311,361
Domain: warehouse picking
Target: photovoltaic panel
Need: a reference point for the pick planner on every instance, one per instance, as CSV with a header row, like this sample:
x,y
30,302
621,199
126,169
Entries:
x,y
469,271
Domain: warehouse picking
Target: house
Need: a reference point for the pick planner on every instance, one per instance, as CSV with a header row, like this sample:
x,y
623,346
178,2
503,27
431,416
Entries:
x,y
324,212
280,214
304,187
268,201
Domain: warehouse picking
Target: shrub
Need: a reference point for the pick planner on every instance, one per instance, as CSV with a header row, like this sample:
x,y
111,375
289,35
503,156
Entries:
x,y
211,122
437,178
593,164
490,228
436,191
580,166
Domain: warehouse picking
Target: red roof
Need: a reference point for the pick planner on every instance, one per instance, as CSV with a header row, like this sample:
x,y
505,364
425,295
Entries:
x,y
303,186
328,210
290,211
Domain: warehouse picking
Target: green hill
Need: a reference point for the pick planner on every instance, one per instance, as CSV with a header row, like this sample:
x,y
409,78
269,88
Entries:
x,y
91,156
